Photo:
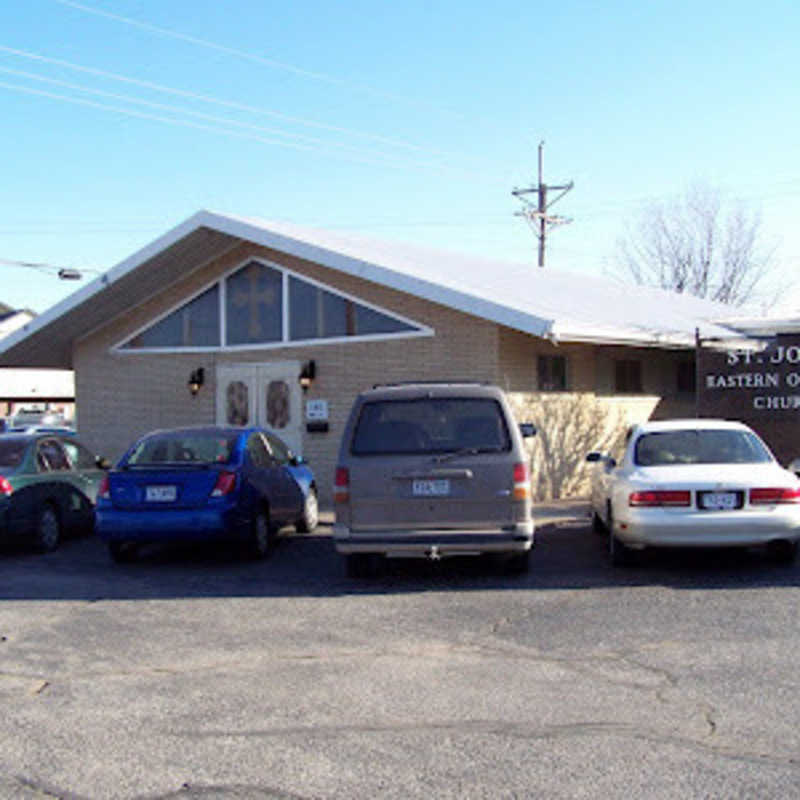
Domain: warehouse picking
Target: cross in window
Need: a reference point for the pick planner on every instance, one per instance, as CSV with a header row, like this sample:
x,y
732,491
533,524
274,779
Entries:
x,y
252,298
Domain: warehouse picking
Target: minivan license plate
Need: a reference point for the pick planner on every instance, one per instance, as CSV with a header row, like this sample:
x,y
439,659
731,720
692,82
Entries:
x,y
160,494
432,488
718,501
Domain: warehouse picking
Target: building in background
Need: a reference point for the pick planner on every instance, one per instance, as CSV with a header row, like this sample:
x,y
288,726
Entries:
x,y
33,391
232,320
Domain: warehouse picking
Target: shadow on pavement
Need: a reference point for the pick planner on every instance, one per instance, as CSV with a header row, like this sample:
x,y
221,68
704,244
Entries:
x,y
568,555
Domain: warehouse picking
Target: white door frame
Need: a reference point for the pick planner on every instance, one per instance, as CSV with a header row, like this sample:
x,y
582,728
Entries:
x,y
269,396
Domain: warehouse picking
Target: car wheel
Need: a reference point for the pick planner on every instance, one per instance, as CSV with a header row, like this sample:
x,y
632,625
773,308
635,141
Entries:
x,y
122,552
310,518
261,536
621,555
48,529
782,551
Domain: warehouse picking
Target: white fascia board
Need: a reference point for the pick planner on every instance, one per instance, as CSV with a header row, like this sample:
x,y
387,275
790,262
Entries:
x,y
419,287
760,326
568,332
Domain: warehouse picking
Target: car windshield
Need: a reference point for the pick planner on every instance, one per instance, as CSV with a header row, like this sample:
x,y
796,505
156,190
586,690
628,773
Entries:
x,y
666,448
12,451
430,425
185,447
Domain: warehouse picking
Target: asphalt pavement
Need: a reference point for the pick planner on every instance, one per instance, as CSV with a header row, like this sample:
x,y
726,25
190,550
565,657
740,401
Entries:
x,y
196,674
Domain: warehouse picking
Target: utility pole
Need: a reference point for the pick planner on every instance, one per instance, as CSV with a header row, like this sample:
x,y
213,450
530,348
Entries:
x,y
536,215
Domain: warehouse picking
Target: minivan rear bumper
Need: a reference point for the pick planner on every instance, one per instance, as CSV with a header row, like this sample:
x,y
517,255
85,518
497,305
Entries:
x,y
434,543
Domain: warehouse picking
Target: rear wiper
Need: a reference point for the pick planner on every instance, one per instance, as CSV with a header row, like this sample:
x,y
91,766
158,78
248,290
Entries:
x,y
466,451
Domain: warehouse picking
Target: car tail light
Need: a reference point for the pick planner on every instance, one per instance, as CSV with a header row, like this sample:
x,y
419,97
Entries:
x,y
760,497
522,481
104,489
5,487
226,483
341,485
660,498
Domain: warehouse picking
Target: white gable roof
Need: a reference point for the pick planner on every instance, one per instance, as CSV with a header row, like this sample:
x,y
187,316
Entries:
x,y
558,305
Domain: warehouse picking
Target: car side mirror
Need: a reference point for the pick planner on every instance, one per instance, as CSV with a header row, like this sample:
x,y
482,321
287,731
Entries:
x,y
527,429
297,461
596,457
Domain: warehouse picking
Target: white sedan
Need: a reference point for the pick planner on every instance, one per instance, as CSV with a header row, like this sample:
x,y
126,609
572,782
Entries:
x,y
695,483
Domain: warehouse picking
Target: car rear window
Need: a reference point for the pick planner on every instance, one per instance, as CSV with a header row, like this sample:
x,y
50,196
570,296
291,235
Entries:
x,y
195,447
430,425
700,447
12,452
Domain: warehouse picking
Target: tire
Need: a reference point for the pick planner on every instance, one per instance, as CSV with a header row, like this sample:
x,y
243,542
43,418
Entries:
x,y
598,526
262,538
782,551
47,534
621,555
358,565
122,552
310,518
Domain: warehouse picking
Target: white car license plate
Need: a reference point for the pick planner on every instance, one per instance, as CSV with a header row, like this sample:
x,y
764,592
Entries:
x,y
435,488
160,494
718,501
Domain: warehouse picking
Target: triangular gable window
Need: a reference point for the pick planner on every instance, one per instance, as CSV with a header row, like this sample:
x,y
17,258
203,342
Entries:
x,y
268,307
195,324
315,313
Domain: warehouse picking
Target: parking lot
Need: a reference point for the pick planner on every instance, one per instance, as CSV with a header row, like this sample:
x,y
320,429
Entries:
x,y
197,675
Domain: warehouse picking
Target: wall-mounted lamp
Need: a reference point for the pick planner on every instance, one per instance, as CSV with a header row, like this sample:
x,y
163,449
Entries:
x,y
197,378
307,374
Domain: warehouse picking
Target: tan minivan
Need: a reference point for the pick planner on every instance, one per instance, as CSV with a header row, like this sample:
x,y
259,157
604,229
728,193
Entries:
x,y
432,470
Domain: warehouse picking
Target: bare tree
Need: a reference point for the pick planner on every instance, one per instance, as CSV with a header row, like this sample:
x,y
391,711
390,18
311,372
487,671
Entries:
x,y
569,426
700,244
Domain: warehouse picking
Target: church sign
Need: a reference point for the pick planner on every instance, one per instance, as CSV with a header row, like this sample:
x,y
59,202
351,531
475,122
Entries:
x,y
759,386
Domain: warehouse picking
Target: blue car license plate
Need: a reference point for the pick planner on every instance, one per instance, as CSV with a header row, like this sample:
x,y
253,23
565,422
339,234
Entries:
x,y
432,488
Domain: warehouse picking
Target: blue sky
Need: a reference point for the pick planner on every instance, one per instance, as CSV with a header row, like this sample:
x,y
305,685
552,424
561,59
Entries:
x,y
409,121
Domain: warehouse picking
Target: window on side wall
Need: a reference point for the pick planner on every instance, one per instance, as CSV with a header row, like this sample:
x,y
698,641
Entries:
x,y
552,373
628,376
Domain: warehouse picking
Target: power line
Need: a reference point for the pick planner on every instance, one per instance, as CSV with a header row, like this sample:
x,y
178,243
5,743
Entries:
x,y
253,57
64,273
204,98
188,112
211,128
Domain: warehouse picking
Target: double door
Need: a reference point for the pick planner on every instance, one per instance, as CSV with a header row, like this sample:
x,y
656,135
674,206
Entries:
x,y
267,395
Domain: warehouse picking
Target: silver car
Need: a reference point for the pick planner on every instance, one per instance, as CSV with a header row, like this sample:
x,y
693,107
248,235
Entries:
x,y
432,470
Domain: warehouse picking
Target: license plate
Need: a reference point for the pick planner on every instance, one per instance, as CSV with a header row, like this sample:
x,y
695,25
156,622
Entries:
x,y
718,501
160,494
437,488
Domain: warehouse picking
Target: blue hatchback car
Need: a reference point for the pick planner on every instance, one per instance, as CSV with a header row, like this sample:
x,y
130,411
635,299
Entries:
x,y
237,485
